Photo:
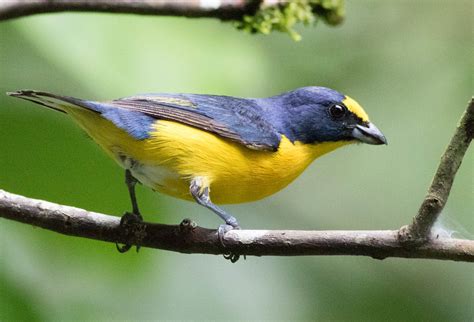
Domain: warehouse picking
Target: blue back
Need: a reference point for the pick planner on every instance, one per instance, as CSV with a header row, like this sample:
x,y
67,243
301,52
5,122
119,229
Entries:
x,y
300,115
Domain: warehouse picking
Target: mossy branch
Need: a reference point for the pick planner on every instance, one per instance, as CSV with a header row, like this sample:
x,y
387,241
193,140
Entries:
x,y
286,15
255,16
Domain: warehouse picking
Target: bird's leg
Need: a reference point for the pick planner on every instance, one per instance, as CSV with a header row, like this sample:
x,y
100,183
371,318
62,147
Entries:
x,y
131,182
130,218
200,193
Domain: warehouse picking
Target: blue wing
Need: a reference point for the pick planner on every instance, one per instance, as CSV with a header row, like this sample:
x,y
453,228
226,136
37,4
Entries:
x,y
239,119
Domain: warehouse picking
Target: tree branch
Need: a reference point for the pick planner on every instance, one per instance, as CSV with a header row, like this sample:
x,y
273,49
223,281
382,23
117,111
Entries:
x,y
254,16
413,241
187,238
224,9
419,230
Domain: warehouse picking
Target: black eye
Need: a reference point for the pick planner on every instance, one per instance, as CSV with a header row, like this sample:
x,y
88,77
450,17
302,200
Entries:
x,y
337,111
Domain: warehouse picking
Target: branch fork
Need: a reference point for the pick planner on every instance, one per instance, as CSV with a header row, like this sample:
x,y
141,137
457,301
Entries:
x,y
418,232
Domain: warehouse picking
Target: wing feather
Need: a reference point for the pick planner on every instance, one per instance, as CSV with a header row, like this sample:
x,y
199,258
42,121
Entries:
x,y
240,120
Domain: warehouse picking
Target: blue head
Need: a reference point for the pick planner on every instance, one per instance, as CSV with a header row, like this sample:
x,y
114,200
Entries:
x,y
319,114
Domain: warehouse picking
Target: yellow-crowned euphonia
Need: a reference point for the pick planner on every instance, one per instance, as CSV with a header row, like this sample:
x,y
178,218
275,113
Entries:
x,y
217,149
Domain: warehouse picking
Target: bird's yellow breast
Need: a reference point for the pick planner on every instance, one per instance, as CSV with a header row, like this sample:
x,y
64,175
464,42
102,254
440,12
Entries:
x,y
175,153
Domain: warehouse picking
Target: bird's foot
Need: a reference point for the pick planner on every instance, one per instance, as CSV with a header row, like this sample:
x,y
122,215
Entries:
x,y
221,231
131,225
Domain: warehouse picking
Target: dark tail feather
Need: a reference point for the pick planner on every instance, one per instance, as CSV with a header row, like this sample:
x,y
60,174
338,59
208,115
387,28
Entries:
x,y
53,101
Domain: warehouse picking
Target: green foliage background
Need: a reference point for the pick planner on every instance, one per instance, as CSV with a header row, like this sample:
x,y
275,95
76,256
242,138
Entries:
x,y
408,63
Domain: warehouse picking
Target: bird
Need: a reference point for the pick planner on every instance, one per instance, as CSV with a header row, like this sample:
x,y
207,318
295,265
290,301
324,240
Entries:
x,y
216,149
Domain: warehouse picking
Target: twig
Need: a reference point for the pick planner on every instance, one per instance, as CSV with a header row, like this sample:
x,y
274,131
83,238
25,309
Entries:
x,y
419,230
224,9
187,238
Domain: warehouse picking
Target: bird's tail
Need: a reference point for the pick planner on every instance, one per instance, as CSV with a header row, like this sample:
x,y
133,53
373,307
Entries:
x,y
56,102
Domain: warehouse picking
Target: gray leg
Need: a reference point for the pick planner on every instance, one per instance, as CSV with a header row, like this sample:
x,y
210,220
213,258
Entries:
x,y
201,194
131,182
130,218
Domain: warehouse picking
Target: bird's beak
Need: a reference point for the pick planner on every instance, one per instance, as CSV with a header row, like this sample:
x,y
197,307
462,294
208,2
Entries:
x,y
369,133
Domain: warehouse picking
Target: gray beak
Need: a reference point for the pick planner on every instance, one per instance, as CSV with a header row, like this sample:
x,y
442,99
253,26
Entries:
x,y
369,133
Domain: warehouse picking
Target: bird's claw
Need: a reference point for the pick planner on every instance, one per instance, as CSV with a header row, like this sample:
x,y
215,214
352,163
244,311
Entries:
x,y
124,248
221,231
129,223
232,257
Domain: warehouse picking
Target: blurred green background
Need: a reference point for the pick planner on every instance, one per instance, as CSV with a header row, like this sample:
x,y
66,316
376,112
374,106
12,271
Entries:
x,y
409,63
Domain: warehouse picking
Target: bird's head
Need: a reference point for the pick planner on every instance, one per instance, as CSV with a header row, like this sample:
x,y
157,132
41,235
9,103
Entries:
x,y
319,114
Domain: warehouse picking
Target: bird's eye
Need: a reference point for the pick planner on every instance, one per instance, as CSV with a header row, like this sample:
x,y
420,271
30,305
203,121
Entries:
x,y
337,111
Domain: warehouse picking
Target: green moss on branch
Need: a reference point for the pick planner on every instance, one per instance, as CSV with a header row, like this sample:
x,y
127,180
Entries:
x,y
285,15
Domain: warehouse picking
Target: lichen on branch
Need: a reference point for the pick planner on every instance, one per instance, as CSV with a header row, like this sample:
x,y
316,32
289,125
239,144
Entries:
x,y
285,15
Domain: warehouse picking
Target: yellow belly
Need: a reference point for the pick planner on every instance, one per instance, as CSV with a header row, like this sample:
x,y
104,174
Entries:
x,y
175,154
